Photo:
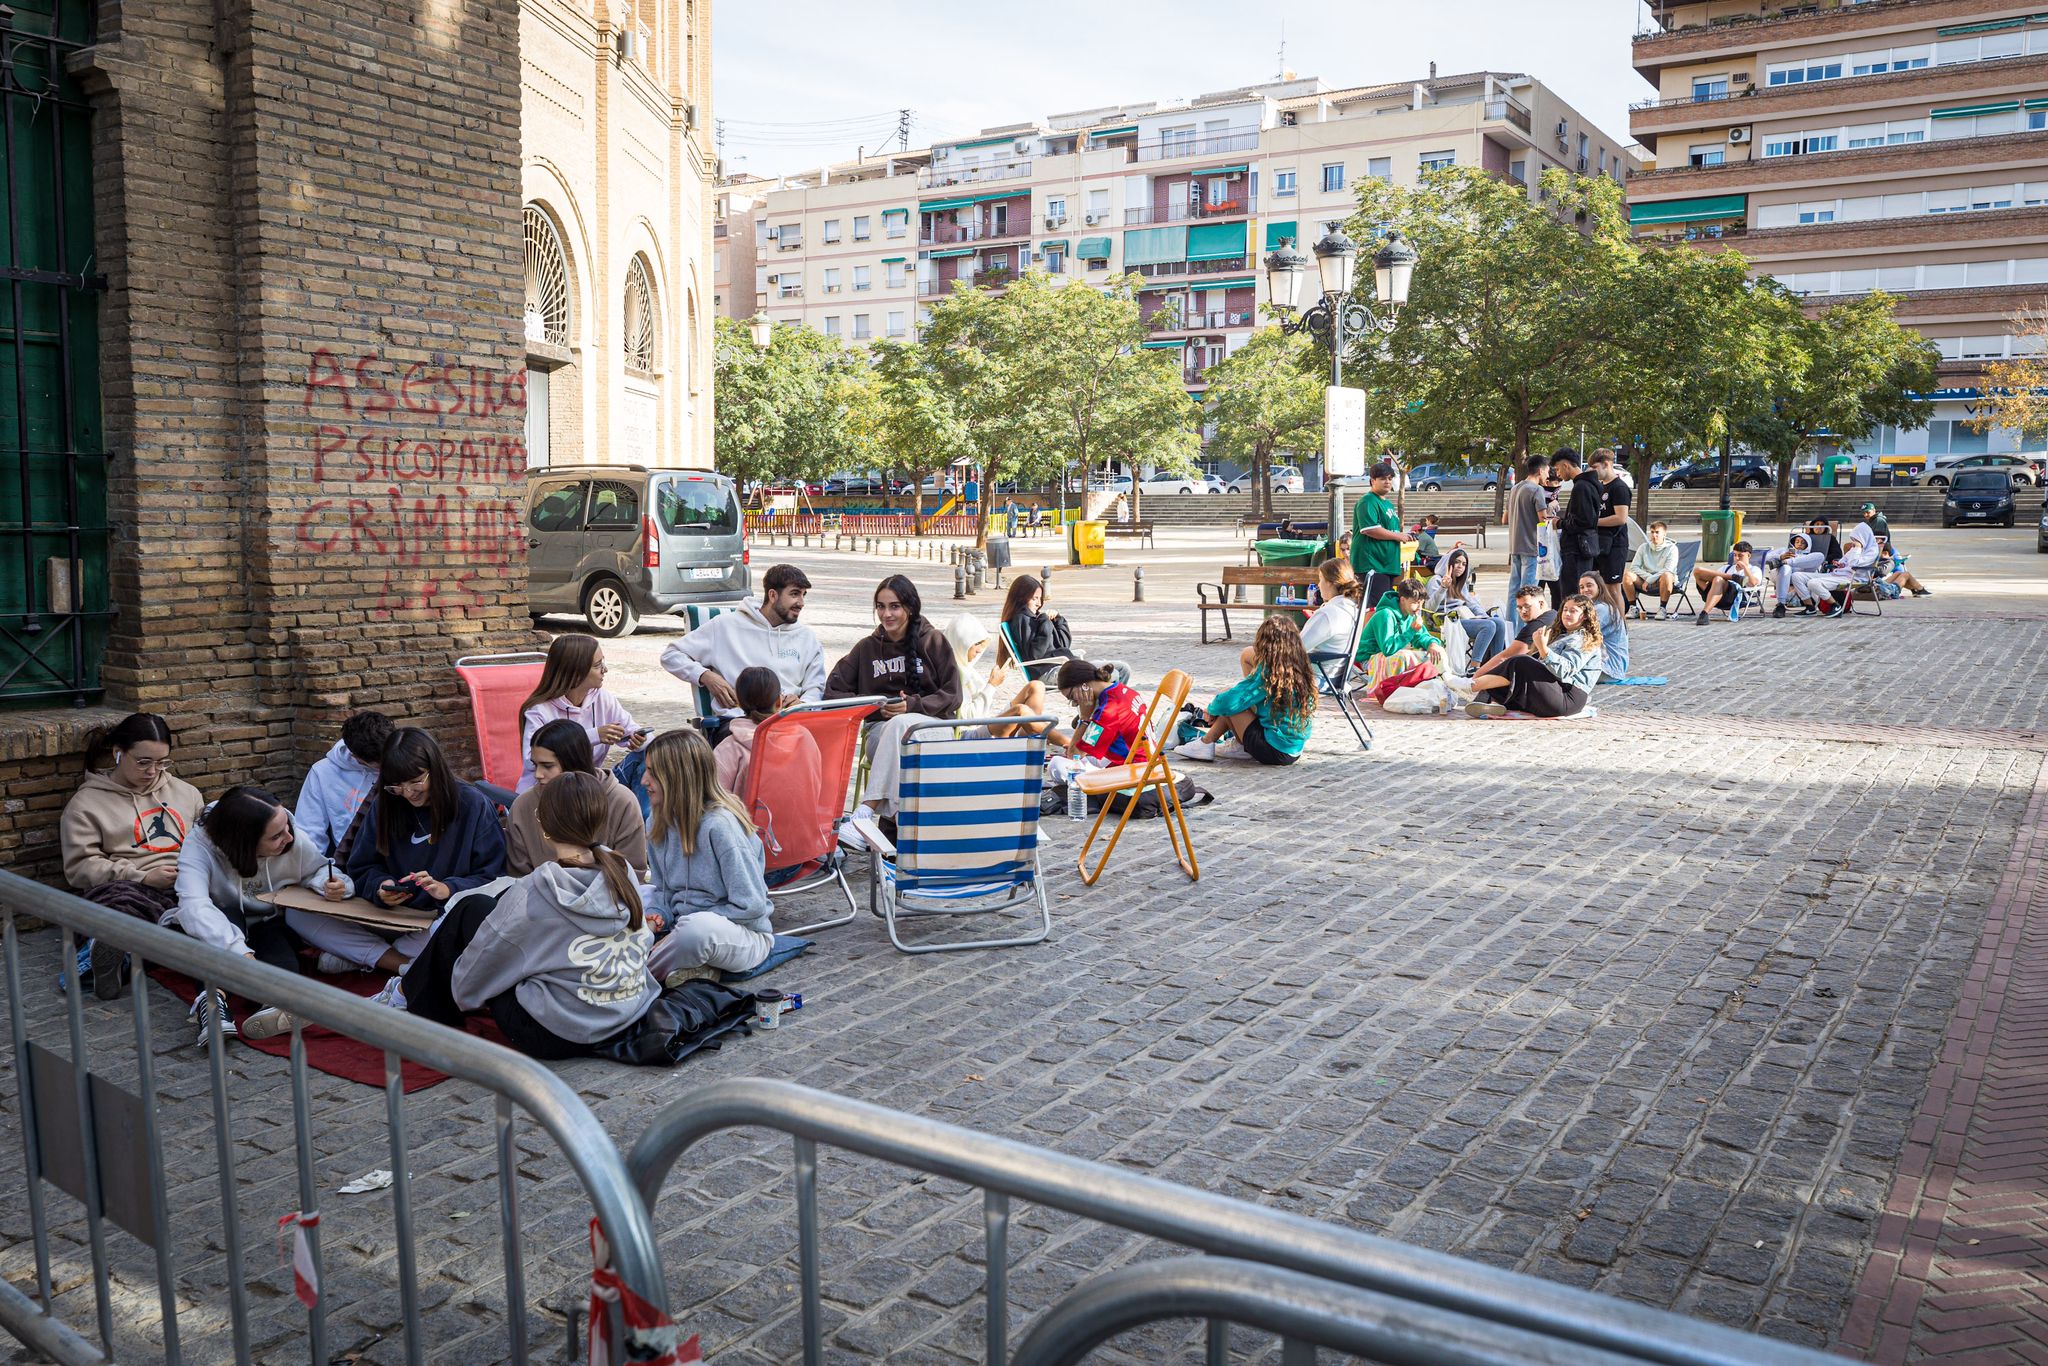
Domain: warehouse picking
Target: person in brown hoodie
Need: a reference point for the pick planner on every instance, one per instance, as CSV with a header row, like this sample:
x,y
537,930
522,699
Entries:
x,y
121,832
564,747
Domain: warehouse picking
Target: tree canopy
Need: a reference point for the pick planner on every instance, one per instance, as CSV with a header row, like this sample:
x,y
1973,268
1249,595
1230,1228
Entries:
x,y
1263,397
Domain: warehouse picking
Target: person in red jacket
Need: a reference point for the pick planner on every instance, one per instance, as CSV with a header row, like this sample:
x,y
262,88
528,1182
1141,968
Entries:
x,y
1110,725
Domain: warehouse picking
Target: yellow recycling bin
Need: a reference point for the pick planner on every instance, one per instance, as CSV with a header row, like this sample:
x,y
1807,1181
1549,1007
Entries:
x,y
1085,542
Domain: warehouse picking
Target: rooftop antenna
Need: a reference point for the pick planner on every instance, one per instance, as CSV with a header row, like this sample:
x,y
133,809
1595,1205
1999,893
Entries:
x,y
903,130
1283,51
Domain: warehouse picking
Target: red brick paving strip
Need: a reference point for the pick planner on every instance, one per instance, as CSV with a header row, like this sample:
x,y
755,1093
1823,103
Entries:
x,y
1959,1268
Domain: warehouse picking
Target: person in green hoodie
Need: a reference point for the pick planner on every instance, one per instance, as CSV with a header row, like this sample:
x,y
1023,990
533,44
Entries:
x,y
1395,639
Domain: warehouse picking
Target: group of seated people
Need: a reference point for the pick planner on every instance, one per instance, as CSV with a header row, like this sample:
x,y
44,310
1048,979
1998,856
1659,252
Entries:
x,y
1817,572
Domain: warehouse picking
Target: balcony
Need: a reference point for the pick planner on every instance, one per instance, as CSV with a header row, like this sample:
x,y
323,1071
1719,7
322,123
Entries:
x,y
1747,34
1169,148
976,174
1991,153
953,234
1158,270
1685,113
1505,108
1215,320
987,279
1237,207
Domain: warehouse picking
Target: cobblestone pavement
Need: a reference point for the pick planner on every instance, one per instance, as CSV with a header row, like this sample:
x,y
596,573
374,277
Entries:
x,y
1648,1002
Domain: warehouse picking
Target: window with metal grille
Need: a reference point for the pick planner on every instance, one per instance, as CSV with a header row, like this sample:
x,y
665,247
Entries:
x,y
547,280
639,319
54,595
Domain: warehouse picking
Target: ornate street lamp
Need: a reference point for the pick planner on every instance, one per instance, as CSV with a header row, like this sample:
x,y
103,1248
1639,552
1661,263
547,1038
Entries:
x,y
762,328
1337,316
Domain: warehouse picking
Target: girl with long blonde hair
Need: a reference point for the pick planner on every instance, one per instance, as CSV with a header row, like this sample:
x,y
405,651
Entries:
x,y
1270,710
1557,675
710,883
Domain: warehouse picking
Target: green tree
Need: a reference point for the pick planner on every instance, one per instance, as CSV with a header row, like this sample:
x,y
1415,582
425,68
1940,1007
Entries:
x,y
918,430
1852,369
792,410
1263,397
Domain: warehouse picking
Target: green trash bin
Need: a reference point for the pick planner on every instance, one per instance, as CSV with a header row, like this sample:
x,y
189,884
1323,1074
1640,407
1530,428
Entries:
x,y
1286,553
1718,533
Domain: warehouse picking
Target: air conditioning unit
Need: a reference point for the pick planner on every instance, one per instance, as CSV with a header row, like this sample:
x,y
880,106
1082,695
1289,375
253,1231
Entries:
x,y
1739,78
1582,165
1055,220
1738,135
1092,219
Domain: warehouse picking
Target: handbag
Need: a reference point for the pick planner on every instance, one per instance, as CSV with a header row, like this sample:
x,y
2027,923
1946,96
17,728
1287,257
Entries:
x,y
1548,554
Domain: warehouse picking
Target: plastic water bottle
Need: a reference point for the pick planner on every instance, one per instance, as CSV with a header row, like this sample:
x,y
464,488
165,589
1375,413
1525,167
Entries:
x,y
1077,802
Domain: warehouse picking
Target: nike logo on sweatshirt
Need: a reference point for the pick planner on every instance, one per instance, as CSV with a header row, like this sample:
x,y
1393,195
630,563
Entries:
x,y
423,838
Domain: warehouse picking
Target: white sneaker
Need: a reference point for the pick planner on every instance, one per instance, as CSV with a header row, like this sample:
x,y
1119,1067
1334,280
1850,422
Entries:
x,y
1200,750
1663,614
862,831
205,1007
392,995
1231,749
268,1023
333,964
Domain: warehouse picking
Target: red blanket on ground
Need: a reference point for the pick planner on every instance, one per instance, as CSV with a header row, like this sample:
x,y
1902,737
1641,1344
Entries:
x,y
337,1055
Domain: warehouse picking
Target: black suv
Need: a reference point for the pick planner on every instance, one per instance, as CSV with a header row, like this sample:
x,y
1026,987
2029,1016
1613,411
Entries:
x,y
1980,496
1744,472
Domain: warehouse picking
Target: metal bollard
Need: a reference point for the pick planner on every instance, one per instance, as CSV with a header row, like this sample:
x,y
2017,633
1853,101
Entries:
x,y
1045,573
975,570
1138,584
959,582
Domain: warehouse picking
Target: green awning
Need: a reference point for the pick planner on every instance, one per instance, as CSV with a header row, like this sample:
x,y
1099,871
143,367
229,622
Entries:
x,y
1689,210
1216,241
1246,283
985,142
1276,231
962,201
941,205
1150,246
900,213
1056,244
1113,132
893,260
1964,111
1093,249
1218,170
1162,346
956,251
1992,27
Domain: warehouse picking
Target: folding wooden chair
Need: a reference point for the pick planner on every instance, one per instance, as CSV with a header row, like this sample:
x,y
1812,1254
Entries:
x,y
497,684
1147,768
795,793
966,831
1345,681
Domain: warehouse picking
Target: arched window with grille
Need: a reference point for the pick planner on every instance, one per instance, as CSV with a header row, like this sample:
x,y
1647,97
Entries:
x,y
547,280
639,439
638,316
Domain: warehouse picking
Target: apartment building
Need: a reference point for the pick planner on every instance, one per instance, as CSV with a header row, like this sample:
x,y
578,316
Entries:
x,y
1846,147
1189,195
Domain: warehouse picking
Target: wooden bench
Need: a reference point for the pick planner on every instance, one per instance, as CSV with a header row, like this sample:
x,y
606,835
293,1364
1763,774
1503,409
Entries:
x,y
1129,531
1460,526
1253,576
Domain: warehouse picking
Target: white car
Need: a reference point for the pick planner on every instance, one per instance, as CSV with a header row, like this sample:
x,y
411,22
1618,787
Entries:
x,y
1182,483
1286,479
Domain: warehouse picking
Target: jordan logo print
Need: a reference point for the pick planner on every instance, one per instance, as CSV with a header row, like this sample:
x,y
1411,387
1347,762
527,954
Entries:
x,y
159,830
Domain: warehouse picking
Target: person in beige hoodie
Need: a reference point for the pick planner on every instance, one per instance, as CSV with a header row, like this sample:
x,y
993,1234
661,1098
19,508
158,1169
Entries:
x,y
121,833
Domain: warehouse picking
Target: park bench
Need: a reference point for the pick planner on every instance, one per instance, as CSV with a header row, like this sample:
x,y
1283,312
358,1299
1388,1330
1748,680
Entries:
x,y
1130,531
1253,576
1460,526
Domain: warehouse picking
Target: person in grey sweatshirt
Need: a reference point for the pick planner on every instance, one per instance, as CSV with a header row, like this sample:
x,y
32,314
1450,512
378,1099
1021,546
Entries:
x,y
559,959
710,882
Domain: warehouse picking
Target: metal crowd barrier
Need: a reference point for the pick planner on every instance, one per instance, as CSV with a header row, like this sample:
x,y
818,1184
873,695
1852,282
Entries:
x,y
101,1144
1567,1324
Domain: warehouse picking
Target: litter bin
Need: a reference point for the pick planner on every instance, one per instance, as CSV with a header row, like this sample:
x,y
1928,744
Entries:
x,y
1285,552
1838,472
1084,543
998,555
1719,531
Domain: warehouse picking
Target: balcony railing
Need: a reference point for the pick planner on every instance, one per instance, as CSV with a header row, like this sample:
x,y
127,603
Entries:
x,y
1236,207
1756,163
952,234
1166,148
1213,320
1694,234
975,173
1162,269
1789,13
1511,110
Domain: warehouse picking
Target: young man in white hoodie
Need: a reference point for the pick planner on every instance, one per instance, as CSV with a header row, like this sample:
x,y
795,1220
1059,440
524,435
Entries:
x,y
336,786
767,637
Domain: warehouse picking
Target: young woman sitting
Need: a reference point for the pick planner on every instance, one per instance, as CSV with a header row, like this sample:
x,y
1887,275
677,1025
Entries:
x,y
906,661
1396,639
759,692
122,830
425,838
1038,632
558,748
1329,630
1555,677
1451,593
1268,713
1109,721
708,875
560,957
246,845
571,688
981,692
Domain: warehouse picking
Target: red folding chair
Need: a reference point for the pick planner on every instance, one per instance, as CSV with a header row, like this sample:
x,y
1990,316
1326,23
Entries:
x,y
497,685
796,791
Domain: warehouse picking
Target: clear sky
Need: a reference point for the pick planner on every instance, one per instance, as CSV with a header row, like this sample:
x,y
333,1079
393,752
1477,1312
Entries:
x,y
798,82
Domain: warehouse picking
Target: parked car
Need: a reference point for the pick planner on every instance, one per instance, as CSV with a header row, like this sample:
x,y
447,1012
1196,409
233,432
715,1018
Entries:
x,y
1286,479
858,486
1181,483
617,542
1437,478
1946,468
2041,536
1744,472
1979,496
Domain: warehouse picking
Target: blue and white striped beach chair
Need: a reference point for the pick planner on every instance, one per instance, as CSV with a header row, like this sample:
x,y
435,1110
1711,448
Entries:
x,y
966,831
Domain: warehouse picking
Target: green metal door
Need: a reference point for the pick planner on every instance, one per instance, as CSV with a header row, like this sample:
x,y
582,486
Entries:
x,y
54,605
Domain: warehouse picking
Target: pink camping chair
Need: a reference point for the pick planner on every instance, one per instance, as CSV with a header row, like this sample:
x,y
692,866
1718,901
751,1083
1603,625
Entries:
x,y
796,792
497,685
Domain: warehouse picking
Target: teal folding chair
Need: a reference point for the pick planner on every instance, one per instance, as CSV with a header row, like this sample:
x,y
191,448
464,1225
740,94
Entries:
x,y
697,614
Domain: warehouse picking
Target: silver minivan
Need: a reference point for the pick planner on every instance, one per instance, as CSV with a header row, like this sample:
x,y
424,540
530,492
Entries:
x,y
616,542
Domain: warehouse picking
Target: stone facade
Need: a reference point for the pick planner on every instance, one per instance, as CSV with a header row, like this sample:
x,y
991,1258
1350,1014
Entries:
x,y
314,380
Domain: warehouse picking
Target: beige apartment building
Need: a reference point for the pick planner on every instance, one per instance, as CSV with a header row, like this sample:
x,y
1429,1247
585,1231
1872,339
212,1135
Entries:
x,y
1188,195
1847,147
617,172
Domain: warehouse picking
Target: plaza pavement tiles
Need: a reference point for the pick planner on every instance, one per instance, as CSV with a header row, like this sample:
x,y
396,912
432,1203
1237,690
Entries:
x,y
1663,1003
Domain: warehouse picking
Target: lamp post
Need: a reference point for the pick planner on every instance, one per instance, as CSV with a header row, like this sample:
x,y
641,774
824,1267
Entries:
x,y
762,329
1338,316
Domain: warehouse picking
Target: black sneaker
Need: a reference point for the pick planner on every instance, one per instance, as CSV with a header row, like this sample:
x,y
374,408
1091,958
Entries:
x,y
1702,619
1923,592
109,970
204,1007
1779,610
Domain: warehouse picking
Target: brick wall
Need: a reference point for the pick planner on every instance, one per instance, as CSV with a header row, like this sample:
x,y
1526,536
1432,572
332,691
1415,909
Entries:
x,y
314,379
